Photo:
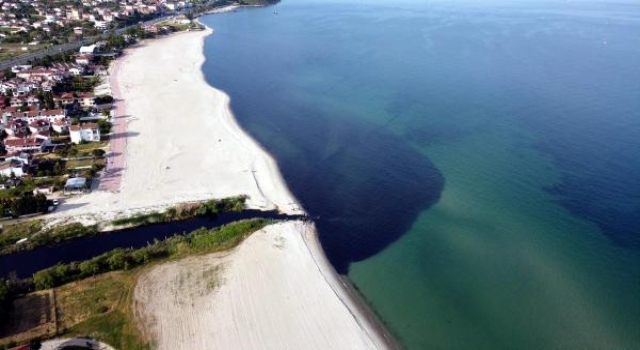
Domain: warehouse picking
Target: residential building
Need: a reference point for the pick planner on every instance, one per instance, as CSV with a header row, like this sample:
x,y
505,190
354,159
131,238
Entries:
x,y
86,132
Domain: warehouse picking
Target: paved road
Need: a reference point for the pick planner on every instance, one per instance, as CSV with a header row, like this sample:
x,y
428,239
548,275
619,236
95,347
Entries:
x,y
75,45
23,59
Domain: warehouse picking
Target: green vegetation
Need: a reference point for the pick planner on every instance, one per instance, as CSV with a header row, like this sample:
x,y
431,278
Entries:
x,y
25,203
186,211
104,126
38,237
100,308
115,328
10,234
94,298
197,242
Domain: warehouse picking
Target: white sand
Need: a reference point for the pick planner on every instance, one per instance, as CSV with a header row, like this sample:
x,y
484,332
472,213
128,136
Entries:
x,y
276,291
184,144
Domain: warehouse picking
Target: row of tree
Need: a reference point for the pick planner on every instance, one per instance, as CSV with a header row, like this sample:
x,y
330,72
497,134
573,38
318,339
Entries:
x,y
27,203
123,259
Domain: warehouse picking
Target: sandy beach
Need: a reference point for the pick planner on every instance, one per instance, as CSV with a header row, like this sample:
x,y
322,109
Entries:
x,y
175,139
273,292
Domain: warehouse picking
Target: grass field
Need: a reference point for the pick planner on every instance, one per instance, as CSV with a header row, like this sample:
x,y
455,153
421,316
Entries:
x,y
101,307
72,164
97,307
88,147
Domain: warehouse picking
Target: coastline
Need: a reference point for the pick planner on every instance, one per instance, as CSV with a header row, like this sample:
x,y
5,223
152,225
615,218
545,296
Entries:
x,y
152,165
357,307
142,180
348,295
270,292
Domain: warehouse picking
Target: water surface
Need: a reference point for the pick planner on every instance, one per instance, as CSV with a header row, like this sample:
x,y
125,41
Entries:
x,y
475,166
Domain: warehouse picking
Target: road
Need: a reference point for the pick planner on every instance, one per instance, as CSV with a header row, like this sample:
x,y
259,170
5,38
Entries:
x,y
23,59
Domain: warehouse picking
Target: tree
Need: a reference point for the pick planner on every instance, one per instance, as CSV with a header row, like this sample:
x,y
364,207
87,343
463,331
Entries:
x,y
44,279
15,209
117,260
104,126
89,268
41,203
9,74
98,152
47,100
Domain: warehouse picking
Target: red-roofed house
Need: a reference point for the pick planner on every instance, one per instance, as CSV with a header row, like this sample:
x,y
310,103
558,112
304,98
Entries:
x,y
39,126
26,144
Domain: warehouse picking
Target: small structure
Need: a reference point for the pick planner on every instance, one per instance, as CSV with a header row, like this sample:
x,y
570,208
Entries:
x,y
84,59
86,132
12,168
87,49
43,190
75,185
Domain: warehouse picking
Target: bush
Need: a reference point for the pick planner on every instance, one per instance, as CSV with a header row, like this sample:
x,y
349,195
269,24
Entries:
x,y
186,211
197,241
98,152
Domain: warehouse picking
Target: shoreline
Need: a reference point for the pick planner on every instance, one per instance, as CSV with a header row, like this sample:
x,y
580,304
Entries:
x,y
346,292
152,115
341,286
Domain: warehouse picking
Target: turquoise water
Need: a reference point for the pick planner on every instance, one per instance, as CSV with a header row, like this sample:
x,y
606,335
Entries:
x,y
475,167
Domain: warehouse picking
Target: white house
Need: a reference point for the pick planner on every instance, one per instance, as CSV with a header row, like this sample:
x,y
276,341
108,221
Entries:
x,y
86,132
100,25
26,144
39,126
11,168
84,59
87,49
59,126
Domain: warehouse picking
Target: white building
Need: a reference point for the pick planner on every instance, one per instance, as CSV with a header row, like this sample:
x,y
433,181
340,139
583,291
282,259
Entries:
x,y
86,132
87,49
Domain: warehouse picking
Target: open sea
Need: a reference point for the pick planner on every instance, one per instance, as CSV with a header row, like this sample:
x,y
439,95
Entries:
x,y
474,165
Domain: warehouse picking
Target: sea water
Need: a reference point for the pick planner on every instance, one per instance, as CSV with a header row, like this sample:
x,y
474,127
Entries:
x,y
473,166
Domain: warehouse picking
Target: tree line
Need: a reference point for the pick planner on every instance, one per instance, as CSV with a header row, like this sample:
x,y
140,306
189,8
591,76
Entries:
x,y
197,241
